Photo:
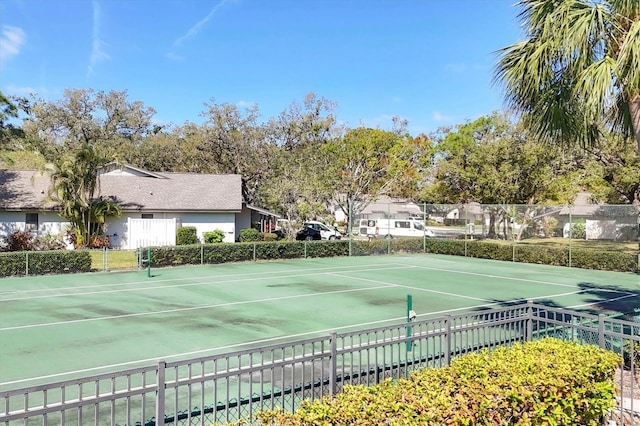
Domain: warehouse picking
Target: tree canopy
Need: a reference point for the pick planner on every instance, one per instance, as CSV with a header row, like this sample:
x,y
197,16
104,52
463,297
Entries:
x,y
578,70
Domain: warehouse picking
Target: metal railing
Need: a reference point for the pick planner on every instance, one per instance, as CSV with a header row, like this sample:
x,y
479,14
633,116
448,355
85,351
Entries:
x,y
227,387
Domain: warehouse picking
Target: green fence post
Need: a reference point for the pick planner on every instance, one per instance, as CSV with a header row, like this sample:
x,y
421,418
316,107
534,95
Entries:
x,y
148,262
570,232
410,318
26,264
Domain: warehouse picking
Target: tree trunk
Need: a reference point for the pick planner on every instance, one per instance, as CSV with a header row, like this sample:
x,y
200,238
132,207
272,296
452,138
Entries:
x,y
634,109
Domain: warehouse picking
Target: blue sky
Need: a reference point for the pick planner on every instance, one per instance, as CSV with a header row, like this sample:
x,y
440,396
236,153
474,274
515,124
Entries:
x,y
428,61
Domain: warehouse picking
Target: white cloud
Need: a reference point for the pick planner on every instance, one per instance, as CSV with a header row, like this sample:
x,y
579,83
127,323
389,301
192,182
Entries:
x,y
97,45
195,29
456,68
173,56
245,104
11,41
21,90
438,117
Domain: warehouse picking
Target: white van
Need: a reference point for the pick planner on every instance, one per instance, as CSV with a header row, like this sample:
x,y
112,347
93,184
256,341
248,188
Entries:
x,y
393,228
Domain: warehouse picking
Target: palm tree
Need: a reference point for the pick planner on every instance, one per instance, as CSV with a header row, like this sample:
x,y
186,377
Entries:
x,y
578,69
74,181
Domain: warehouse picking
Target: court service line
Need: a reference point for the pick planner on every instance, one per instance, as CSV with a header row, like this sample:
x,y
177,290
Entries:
x,y
625,296
234,345
170,280
201,283
414,288
478,274
191,308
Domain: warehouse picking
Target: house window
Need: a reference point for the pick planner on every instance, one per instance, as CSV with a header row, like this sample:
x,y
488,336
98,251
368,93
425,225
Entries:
x,y
31,222
147,215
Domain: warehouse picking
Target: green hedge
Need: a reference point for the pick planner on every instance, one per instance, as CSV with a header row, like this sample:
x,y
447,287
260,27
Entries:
x,y
580,257
542,382
266,250
44,262
237,252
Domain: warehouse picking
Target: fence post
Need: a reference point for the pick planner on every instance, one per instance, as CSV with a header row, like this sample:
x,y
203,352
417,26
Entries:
x,y
447,339
160,392
26,264
254,251
202,254
529,335
333,363
601,342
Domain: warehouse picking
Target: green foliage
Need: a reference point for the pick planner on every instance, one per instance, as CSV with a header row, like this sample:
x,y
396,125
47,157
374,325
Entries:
x,y
238,252
561,78
44,262
542,382
187,235
580,257
213,237
632,352
249,234
268,236
578,231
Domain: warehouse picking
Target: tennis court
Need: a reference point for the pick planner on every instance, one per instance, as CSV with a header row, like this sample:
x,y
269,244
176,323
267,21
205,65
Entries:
x,y
65,326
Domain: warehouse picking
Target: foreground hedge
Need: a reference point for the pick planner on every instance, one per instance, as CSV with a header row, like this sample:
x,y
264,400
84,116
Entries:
x,y
44,262
542,382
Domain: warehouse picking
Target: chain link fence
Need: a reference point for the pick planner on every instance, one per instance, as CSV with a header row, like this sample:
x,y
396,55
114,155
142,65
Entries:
x,y
565,235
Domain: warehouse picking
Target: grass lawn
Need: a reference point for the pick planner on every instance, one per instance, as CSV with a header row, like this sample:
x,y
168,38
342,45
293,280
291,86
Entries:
x,y
113,259
625,247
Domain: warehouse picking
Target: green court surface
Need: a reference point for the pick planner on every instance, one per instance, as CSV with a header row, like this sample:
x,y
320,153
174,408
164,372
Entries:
x,y
60,327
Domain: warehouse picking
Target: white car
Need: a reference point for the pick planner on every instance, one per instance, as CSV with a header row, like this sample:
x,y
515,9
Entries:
x,y
326,232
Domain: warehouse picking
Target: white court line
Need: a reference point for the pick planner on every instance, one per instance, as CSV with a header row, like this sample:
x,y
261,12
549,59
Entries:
x,y
170,280
406,286
201,283
478,274
191,308
233,345
267,340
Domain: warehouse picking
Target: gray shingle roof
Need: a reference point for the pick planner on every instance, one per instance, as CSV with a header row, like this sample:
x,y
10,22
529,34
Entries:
x,y
178,192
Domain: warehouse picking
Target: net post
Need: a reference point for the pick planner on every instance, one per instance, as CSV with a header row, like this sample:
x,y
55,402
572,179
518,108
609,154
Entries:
x,y
148,262
409,320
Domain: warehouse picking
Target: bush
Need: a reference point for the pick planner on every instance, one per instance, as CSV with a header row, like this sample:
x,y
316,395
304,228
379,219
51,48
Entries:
x,y
187,235
542,382
213,237
249,235
44,262
578,231
21,241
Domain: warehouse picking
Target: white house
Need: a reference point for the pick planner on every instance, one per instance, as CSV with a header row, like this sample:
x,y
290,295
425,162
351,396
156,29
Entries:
x,y
154,205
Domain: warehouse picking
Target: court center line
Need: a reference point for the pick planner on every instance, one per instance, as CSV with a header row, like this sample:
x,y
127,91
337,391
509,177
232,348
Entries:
x,y
191,308
202,283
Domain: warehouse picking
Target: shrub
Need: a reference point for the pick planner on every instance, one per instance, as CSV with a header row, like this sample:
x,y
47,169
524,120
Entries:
x,y
213,237
44,262
249,235
21,241
187,235
578,231
542,382
268,236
